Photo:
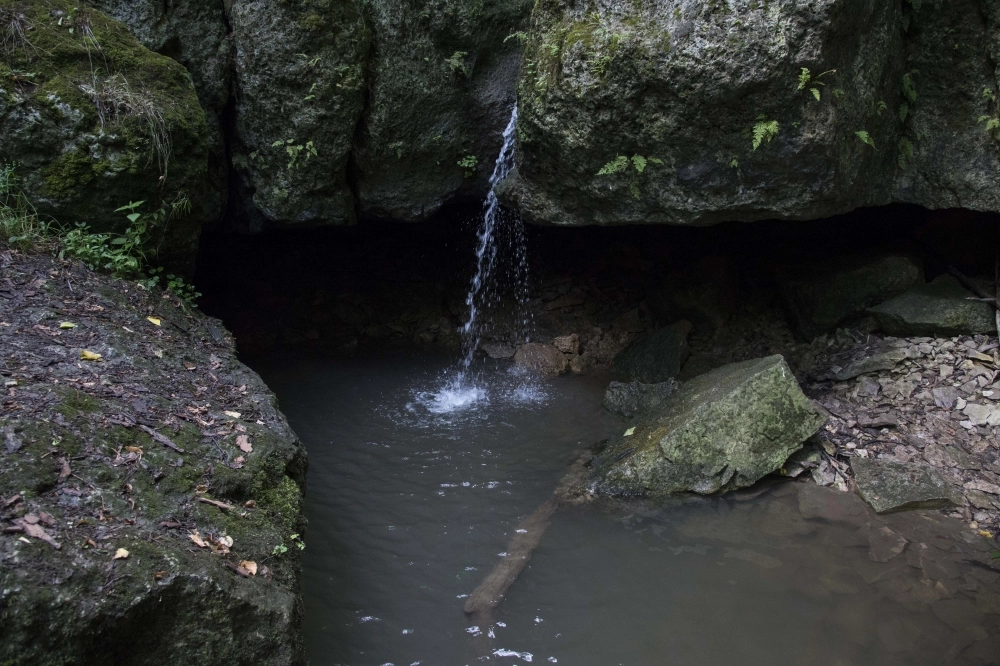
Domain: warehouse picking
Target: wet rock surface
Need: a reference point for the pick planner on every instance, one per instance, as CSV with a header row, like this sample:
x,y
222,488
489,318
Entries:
x,y
541,359
721,431
149,487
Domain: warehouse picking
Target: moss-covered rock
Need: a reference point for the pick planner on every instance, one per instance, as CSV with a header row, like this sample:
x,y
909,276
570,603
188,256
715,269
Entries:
x,y
166,447
687,83
94,120
195,34
721,431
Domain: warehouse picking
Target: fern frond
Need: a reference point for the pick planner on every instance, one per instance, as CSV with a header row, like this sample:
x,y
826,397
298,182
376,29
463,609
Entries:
x,y
805,76
865,137
904,112
880,108
616,165
656,160
639,162
764,131
988,94
909,88
815,93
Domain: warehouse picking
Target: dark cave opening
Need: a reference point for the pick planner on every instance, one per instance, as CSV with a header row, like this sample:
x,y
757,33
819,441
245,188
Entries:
x,y
384,282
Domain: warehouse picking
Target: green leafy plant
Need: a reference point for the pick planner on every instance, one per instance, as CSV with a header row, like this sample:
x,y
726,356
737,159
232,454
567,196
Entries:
x,y
635,166
457,63
807,80
20,226
469,163
281,548
520,36
175,284
880,108
992,121
865,138
764,131
296,151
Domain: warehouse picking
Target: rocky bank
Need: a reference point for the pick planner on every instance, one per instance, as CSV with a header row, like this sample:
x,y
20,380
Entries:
x,y
150,491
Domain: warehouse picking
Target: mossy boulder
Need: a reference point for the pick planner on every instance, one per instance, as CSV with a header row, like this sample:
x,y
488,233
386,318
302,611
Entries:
x,y
619,83
941,308
195,34
93,121
177,455
718,432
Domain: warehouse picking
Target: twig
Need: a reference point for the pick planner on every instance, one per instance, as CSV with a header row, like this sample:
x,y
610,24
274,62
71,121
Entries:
x,y
162,439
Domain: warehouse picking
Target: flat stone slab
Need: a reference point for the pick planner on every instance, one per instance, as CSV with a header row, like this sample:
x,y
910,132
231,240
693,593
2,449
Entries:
x,y
718,432
894,486
941,308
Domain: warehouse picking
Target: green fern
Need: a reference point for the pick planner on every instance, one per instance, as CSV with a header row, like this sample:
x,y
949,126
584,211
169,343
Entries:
x,y
764,131
616,165
989,95
881,108
865,138
806,78
904,112
992,124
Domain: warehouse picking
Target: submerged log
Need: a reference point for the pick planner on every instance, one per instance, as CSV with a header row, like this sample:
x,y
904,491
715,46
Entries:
x,y
528,534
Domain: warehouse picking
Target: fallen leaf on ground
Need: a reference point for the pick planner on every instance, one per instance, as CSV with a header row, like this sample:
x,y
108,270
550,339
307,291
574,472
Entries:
x,y
249,566
90,356
198,541
233,415
190,366
159,575
35,531
630,432
133,449
155,321
120,554
226,541
243,442
67,325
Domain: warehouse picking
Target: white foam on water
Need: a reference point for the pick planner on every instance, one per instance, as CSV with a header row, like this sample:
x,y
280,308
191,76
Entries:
x,y
526,656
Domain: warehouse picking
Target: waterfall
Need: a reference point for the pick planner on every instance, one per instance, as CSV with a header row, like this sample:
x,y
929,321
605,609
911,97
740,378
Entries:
x,y
500,228
501,263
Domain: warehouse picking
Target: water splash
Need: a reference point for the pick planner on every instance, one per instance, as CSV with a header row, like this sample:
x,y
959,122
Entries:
x,y
501,263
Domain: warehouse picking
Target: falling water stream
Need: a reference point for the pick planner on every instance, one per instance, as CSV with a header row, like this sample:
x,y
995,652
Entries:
x,y
501,261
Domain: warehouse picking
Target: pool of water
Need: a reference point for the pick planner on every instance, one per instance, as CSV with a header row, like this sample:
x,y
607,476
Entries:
x,y
414,495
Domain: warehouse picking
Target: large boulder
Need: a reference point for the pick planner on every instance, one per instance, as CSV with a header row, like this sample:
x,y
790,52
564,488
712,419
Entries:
x,y
940,308
721,431
712,91
817,296
656,357
93,121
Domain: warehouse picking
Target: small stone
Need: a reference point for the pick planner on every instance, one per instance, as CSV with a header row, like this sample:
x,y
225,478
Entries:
x,y
945,398
982,414
983,486
941,308
894,486
878,362
498,350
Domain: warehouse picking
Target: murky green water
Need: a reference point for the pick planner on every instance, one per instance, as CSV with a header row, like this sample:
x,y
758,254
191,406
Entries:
x,y
409,510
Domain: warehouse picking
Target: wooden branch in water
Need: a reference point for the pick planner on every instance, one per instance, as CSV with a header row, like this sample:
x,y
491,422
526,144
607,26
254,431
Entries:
x,y
527,536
